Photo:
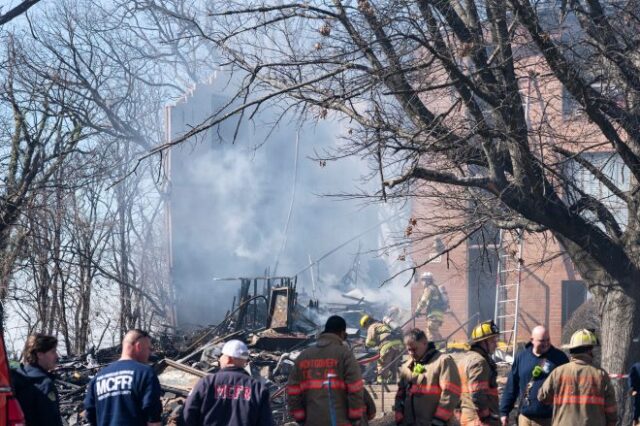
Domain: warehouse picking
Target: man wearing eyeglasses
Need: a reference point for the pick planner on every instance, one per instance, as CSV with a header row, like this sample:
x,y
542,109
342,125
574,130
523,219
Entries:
x,y
126,392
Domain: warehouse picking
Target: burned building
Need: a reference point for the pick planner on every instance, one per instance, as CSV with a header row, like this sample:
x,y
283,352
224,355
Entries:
x,y
248,201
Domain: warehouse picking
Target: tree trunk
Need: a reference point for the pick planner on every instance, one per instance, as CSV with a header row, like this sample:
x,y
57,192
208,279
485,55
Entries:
x,y
619,343
620,321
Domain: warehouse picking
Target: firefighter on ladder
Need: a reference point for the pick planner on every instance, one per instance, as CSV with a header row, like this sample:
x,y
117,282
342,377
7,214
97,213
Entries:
x,y
389,345
433,305
478,373
581,393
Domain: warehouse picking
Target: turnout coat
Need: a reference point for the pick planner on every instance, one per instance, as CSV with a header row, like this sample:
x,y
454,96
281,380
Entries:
x,y
428,389
581,394
479,399
326,382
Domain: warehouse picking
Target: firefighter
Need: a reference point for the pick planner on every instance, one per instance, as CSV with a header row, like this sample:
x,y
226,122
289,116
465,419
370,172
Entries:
x,y
433,305
479,399
390,347
325,386
392,317
429,385
581,393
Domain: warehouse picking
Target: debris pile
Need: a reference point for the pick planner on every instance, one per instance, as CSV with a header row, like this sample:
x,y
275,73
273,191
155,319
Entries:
x,y
275,328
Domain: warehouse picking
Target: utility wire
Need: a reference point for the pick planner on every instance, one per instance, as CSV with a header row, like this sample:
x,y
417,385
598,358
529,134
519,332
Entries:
x,y
330,252
293,198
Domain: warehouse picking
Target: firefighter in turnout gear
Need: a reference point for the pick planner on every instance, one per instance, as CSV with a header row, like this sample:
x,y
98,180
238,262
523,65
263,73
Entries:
x,y
581,393
478,373
433,305
325,386
429,386
389,344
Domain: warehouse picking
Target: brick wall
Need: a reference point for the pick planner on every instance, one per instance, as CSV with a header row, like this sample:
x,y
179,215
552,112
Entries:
x,y
543,271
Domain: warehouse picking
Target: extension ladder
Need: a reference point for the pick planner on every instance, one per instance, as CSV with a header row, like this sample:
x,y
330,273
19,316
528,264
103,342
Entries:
x,y
509,275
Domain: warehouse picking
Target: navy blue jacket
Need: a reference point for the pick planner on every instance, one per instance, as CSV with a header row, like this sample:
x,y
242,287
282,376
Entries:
x,y
37,394
124,393
634,385
521,378
230,397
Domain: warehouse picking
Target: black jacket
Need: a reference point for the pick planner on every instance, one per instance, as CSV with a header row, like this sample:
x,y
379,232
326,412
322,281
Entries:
x,y
230,397
37,394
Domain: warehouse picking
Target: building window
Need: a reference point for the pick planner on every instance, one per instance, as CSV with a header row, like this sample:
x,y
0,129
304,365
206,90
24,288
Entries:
x,y
570,106
574,294
611,166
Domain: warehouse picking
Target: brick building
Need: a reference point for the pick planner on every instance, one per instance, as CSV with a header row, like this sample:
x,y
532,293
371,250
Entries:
x,y
550,287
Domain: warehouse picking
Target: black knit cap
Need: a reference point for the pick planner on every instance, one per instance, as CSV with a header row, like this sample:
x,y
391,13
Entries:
x,y
335,324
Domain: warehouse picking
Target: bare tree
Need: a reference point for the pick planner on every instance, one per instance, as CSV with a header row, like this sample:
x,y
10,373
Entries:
x,y
462,102
42,135
92,100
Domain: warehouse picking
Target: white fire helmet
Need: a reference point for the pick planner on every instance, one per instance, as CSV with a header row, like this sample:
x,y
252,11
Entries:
x,y
426,278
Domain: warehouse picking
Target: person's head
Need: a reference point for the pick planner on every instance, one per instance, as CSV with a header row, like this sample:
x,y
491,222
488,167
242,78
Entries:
x,y
485,335
366,321
426,279
416,343
234,354
540,340
582,342
136,345
490,345
336,325
40,350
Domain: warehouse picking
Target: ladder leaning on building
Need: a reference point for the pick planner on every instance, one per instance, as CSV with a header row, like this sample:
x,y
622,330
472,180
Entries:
x,y
508,278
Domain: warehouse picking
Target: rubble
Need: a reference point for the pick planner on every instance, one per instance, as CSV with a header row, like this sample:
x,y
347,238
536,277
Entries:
x,y
271,323
276,329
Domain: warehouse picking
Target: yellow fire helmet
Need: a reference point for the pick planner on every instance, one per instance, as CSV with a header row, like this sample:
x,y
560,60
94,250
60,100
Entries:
x,y
582,338
483,331
365,320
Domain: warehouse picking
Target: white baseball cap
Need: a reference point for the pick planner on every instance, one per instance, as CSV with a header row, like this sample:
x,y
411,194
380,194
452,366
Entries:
x,y
235,349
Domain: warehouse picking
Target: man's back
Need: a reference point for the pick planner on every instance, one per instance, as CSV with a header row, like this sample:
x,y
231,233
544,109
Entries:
x,y
230,397
377,333
581,395
326,382
125,393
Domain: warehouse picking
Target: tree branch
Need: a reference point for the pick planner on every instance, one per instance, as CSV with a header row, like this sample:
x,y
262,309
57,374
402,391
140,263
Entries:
x,y
441,177
17,11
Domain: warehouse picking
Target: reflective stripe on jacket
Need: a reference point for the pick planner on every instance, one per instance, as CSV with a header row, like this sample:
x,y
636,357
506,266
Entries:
x,y
479,398
326,370
581,394
433,393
